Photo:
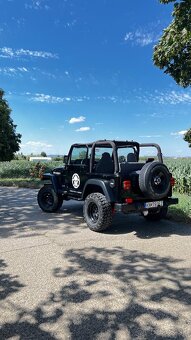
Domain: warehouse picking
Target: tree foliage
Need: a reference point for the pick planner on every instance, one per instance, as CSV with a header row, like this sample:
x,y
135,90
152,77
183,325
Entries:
x,y
187,137
43,154
173,52
9,139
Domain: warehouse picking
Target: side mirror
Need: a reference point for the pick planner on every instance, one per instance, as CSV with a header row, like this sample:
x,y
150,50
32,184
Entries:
x,y
65,159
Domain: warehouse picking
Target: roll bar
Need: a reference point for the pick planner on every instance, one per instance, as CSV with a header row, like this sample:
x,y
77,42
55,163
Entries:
x,y
159,152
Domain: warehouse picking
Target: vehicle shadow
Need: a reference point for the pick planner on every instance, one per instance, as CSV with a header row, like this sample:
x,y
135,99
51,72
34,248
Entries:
x,y
124,224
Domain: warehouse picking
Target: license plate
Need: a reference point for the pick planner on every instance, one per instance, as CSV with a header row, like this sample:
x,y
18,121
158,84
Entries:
x,y
156,204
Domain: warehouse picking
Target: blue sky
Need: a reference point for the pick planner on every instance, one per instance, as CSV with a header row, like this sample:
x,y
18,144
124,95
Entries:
x,y
77,71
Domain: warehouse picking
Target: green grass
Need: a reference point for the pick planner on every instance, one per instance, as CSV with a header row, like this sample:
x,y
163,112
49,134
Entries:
x,y
32,183
181,212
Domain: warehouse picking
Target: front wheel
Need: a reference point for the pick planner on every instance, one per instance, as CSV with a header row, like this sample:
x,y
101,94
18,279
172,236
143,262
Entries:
x,y
156,216
97,212
48,200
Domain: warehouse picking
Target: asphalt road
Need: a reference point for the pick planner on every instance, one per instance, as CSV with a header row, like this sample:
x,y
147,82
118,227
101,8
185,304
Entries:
x,y
59,280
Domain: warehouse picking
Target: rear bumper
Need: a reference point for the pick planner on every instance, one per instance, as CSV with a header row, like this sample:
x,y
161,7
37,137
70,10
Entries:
x,y
140,206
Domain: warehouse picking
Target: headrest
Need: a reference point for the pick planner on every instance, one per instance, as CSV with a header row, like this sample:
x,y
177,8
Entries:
x,y
131,157
106,155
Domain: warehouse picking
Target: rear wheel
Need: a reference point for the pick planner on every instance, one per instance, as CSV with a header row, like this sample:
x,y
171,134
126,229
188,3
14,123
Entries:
x,y
156,215
48,200
97,212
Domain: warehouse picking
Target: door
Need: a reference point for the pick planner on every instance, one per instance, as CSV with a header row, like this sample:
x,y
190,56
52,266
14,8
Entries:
x,y
77,170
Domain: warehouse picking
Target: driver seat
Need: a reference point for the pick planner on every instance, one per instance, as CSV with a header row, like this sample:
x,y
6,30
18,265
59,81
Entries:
x,y
105,164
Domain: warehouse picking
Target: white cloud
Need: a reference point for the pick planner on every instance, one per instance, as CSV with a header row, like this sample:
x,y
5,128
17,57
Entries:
x,y
44,73
34,72
23,69
36,147
46,98
75,120
141,37
37,4
8,52
157,115
179,133
166,97
83,129
39,144
173,97
151,136
13,71
146,35
113,99
70,23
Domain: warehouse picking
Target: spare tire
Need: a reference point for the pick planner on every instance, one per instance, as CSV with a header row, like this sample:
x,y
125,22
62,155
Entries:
x,y
154,180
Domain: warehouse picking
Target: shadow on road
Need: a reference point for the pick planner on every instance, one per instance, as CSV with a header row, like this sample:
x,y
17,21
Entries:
x,y
110,294
19,213
8,284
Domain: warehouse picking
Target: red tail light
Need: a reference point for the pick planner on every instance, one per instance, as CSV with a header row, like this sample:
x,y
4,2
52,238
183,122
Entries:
x,y
172,181
129,200
127,185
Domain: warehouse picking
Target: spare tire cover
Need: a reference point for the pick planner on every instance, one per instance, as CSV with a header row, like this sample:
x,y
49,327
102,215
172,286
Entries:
x,y
154,180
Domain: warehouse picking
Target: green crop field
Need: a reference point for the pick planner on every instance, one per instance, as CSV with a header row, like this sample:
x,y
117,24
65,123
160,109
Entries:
x,y
180,168
181,171
23,169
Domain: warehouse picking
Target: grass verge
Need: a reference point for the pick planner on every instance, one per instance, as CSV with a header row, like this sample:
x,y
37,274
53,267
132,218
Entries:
x,y
182,211
32,183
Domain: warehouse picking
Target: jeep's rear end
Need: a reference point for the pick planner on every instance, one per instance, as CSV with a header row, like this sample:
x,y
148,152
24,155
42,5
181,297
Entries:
x,y
145,184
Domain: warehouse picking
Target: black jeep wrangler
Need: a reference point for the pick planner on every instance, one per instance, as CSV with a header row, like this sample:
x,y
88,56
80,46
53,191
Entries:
x,y
110,177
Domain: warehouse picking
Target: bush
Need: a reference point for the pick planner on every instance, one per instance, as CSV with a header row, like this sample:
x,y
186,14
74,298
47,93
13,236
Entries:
x,y
58,159
37,170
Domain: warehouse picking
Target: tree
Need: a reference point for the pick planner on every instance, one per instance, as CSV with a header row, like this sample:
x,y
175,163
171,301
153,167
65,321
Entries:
x,y
187,137
9,139
173,52
43,154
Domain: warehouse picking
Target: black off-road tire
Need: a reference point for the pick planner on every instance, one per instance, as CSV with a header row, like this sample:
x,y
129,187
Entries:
x,y
156,216
148,177
97,212
48,200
